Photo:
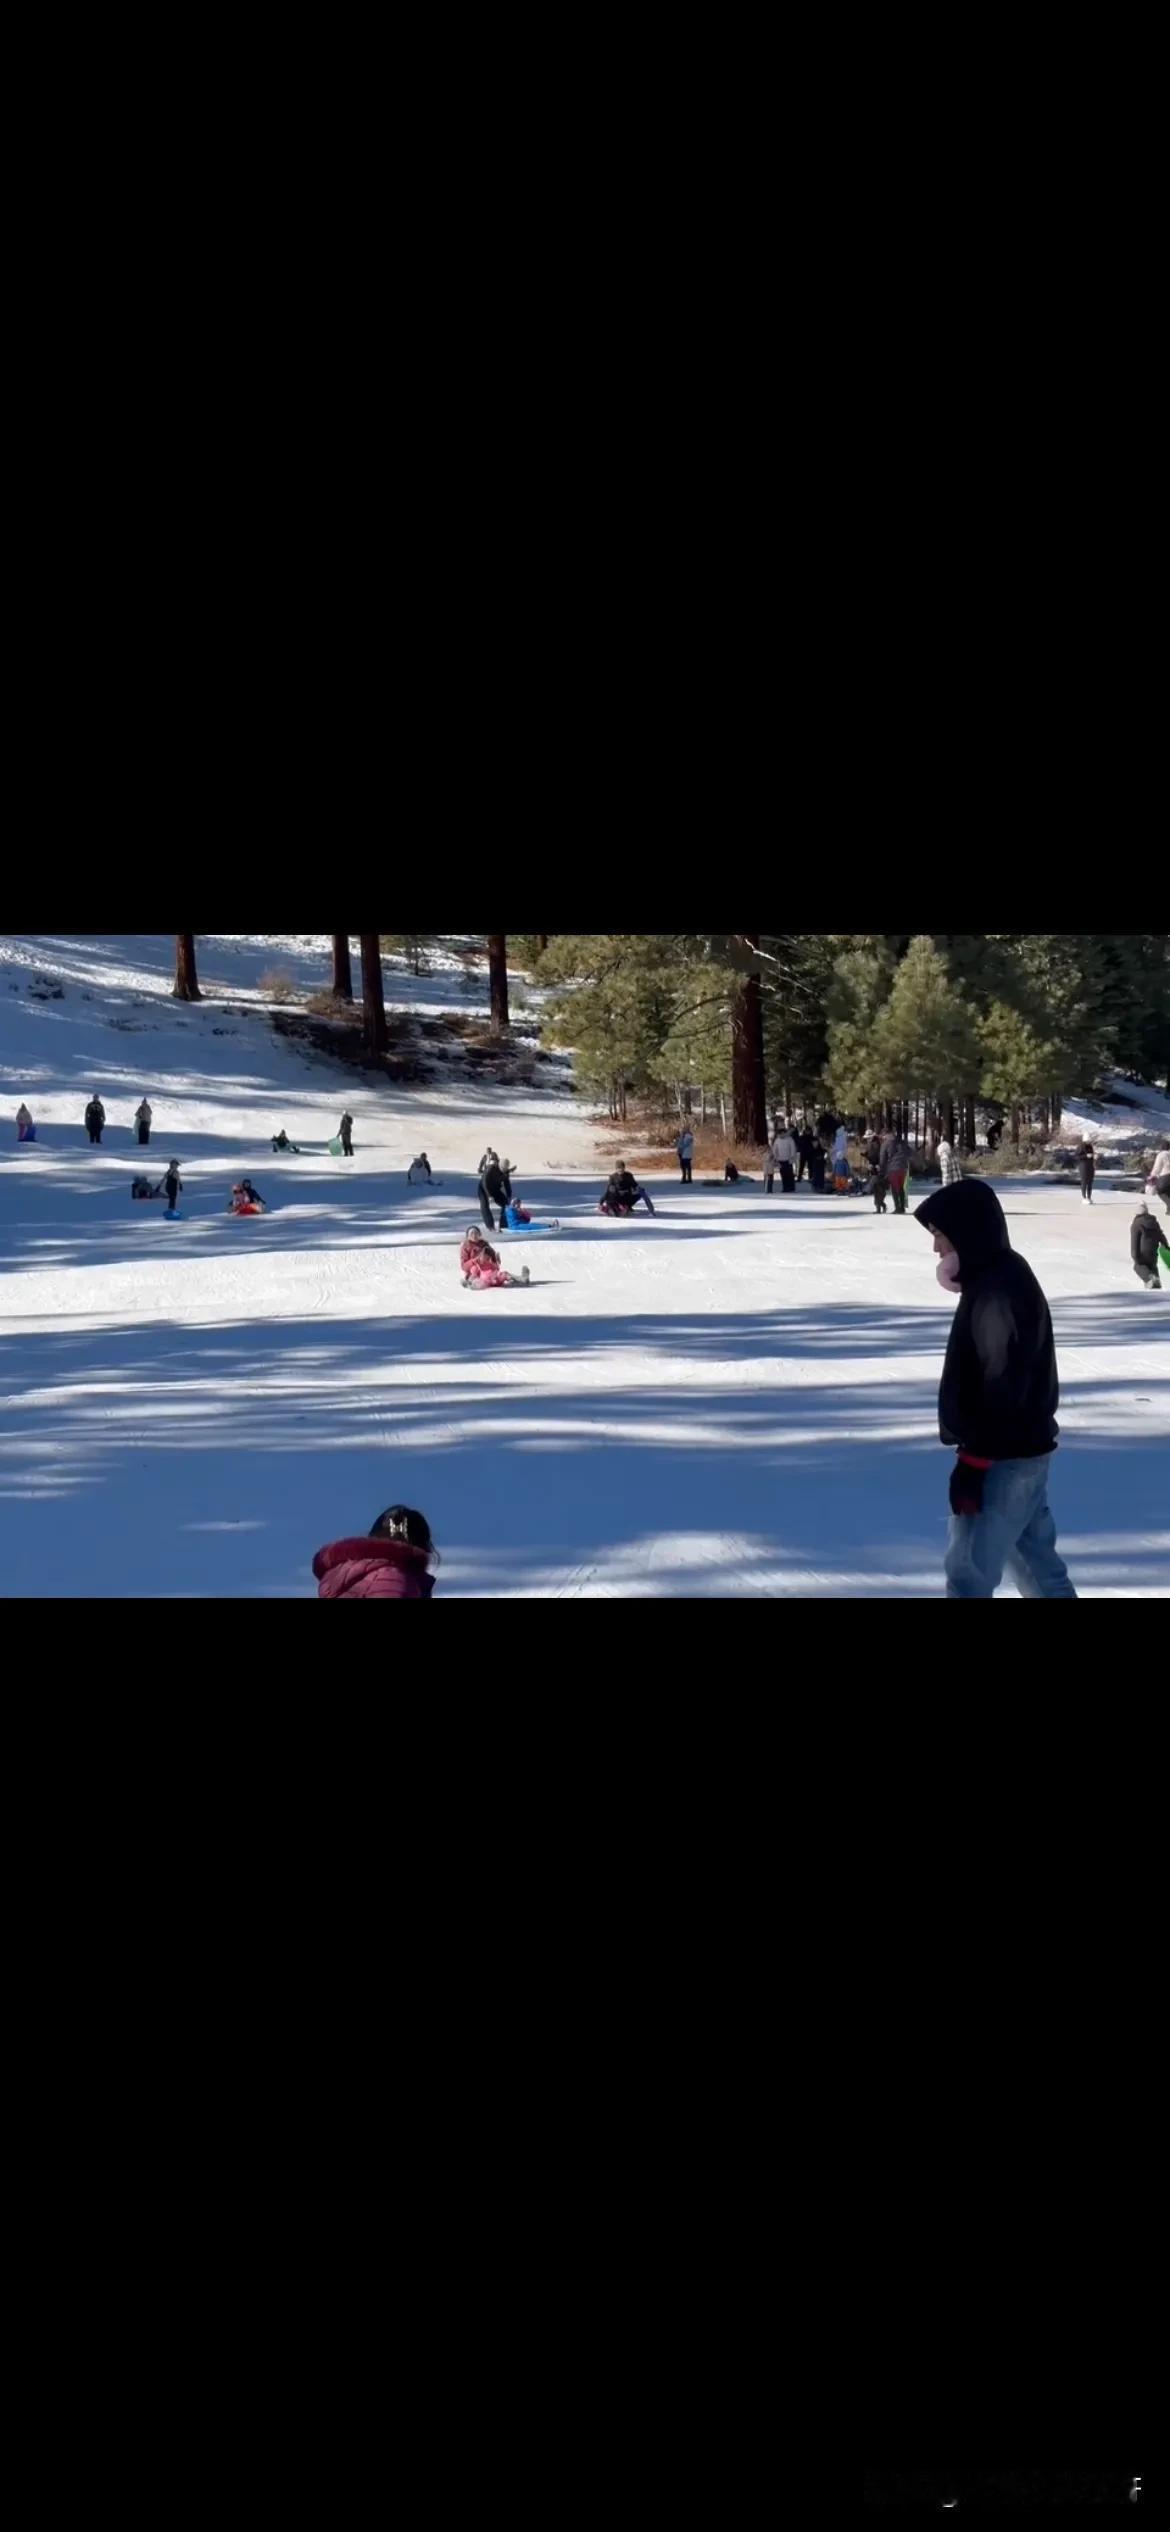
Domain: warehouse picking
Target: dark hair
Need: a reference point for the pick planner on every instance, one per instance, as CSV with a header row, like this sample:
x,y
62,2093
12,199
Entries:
x,y
400,1522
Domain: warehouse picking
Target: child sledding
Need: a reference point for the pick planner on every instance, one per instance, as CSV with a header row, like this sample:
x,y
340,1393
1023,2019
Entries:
x,y
280,1143
246,1199
518,1218
143,1193
623,1193
480,1267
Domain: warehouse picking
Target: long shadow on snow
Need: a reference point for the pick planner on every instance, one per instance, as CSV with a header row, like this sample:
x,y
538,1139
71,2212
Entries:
x,y
184,1435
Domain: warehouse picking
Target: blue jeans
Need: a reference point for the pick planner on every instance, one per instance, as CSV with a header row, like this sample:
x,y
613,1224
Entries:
x,y
1014,1530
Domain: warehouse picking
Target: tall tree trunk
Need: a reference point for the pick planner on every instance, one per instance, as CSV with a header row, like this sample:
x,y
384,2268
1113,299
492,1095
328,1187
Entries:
x,y
186,973
949,1120
748,1084
970,1139
498,967
373,993
342,969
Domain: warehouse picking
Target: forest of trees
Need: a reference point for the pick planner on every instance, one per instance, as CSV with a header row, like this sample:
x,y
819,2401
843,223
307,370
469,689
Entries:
x,y
911,1028
914,1029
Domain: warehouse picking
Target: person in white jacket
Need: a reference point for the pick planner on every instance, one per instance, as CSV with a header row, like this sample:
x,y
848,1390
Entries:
x,y
783,1156
685,1147
1158,1182
419,1172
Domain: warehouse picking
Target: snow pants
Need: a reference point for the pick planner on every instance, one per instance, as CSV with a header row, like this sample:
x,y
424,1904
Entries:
x,y
1015,1531
898,1189
1149,1276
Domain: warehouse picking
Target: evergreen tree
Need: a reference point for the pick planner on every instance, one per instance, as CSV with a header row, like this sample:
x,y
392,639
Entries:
x,y
186,973
927,1040
498,967
373,994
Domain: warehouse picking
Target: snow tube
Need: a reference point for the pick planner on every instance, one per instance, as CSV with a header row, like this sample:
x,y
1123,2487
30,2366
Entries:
x,y
238,1210
337,1148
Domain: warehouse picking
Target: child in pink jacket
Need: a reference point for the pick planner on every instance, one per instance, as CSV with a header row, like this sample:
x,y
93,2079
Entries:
x,y
480,1267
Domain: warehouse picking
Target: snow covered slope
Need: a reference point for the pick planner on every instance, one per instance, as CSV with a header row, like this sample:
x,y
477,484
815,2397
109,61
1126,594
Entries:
x,y
735,1399
1135,1115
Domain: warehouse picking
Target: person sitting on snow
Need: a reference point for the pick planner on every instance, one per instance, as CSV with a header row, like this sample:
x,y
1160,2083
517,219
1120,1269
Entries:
x,y
280,1143
518,1218
480,1266
623,1193
419,1173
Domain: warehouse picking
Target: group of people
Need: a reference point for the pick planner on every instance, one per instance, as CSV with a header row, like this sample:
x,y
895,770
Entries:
x,y
170,1186
888,1155
94,1120
998,1402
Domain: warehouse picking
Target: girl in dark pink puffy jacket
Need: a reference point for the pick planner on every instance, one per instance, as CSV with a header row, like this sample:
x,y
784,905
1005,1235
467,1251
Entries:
x,y
394,1563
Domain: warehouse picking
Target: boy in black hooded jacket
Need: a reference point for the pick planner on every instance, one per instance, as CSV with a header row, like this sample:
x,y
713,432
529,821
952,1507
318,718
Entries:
x,y
997,1404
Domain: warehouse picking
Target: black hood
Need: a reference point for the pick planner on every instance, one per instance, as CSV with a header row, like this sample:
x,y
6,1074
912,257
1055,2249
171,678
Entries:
x,y
972,1218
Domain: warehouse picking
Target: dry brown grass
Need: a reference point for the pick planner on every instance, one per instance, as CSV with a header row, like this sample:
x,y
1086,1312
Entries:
x,y
278,986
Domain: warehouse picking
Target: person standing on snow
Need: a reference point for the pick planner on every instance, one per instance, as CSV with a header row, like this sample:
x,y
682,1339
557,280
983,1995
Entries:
x,y
1147,1247
1157,1184
1087,1169
95,1117
997,1403
345,1131
172,1187
23,1123
898,1170
495,1188
952,1175
685,1147
784,1158
143,1118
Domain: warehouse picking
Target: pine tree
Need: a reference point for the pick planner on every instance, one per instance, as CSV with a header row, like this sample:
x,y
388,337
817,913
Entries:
x,y
927,1040
749,1089
373,994
186,974
498,965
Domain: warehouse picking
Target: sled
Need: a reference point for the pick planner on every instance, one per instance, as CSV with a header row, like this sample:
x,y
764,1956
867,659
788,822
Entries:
x,y
338,1150
236,1212
1164,1259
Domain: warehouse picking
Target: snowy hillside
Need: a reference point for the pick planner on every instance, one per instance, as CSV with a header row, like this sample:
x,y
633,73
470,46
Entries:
x,y
734,1399
1135,1116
